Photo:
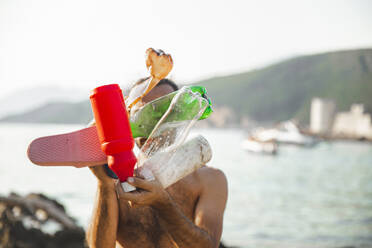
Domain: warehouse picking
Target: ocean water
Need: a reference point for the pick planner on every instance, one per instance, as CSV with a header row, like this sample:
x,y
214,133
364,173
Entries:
x,y
319,197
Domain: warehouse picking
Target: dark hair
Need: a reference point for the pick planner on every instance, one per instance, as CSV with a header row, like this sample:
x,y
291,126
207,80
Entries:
x,y
163,81
169,82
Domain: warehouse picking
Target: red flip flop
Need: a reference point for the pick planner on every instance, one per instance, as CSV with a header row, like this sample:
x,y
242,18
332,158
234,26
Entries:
x,y
80,148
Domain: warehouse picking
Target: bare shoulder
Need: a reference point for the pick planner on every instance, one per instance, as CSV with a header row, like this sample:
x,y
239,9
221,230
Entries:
x,y
212,178
210,173
214,191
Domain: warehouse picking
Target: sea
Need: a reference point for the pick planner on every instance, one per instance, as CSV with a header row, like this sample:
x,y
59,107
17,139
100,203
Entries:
x,y
302,197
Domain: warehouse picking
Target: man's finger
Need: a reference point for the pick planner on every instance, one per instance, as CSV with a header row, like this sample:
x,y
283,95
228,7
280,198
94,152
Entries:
x,y
120,191
123,205
134,196
126,195
119,188
141,183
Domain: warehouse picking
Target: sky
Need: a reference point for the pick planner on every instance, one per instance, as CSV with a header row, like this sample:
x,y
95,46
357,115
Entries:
x,y
86,43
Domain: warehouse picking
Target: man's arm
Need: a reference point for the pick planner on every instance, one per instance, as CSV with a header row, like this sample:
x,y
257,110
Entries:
x,y
206,229
103,226
212,202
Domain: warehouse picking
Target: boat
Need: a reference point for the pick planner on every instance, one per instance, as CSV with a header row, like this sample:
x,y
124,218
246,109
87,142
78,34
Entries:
x,y
285,133
255,146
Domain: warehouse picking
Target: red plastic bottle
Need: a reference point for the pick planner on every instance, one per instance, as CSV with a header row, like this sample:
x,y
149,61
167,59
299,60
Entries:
x,y
113,129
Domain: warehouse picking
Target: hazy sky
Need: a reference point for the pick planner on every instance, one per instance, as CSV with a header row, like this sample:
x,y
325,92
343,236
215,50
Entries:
x,y
86,43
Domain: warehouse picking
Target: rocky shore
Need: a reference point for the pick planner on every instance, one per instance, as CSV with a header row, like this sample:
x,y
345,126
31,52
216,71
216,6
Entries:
x,y
36,221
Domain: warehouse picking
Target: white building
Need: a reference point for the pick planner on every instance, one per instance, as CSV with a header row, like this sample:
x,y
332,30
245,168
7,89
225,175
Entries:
x,y
353,124
322,115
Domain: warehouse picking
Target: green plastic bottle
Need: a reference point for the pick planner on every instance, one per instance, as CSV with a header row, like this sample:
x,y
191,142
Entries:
x,y
187,107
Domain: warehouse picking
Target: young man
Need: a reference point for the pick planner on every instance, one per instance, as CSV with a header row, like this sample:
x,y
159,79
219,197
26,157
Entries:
x,y
188,213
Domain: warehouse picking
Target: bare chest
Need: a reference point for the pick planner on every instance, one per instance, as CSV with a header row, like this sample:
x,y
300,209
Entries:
x,y
143,227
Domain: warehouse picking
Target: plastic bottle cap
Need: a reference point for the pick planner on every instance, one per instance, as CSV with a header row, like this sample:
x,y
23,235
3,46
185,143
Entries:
x,y
127,187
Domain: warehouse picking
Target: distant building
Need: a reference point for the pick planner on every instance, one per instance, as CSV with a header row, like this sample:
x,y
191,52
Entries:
x,y
353,124
322,115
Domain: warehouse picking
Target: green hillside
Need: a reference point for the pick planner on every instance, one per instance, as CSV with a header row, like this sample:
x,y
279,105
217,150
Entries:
x,y
57,112
284,90
274,93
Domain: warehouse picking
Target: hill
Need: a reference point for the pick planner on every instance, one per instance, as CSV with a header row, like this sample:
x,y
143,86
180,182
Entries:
x,y
275,93
56,112
27,99
284,90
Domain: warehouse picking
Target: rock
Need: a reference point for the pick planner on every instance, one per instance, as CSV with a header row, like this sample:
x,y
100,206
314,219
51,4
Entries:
x,y
36,221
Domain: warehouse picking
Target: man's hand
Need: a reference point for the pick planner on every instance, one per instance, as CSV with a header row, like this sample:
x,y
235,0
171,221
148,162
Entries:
x,y
101,175
149,193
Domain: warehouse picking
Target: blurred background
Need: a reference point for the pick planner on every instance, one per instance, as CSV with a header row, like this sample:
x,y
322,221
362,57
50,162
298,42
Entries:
x,y
291,85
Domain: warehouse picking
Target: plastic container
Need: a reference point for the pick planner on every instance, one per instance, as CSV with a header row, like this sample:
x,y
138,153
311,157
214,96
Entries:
x,y
169,166
113,128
